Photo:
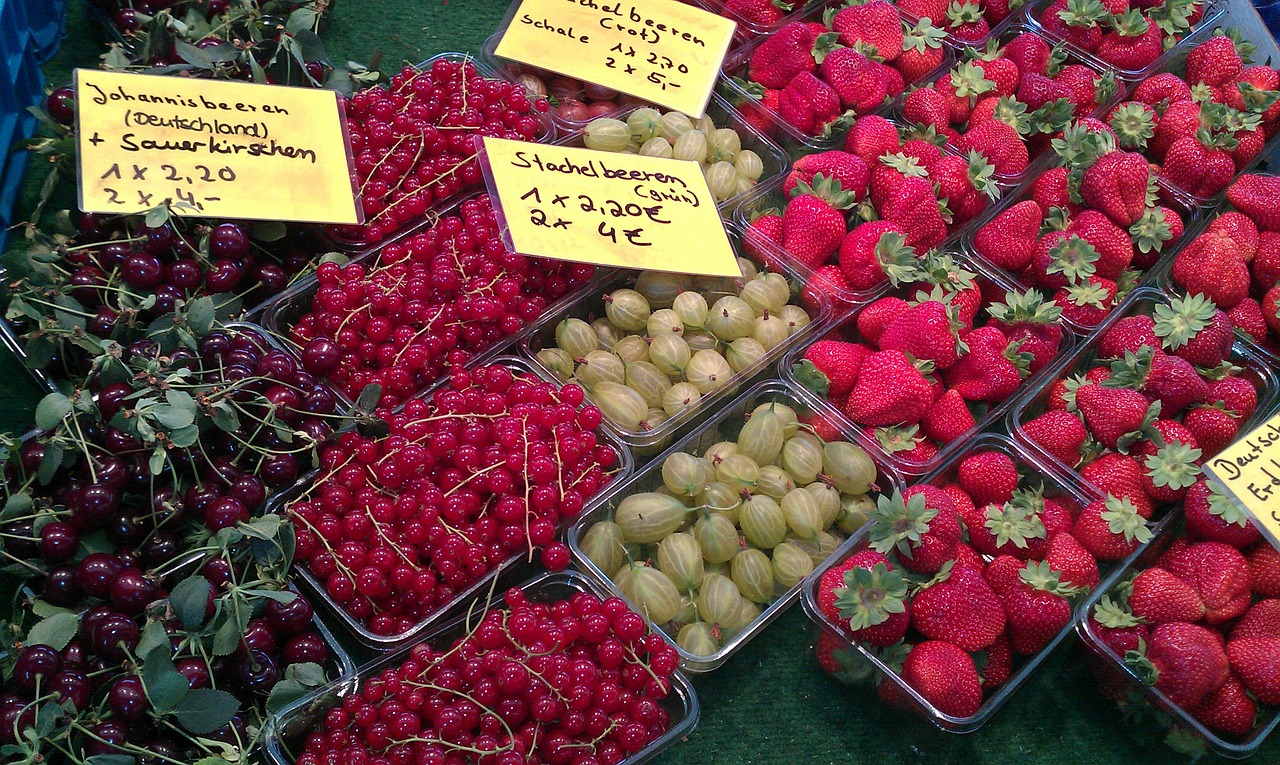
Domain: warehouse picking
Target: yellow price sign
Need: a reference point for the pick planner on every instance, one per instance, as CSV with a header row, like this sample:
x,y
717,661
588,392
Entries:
x,y
1249,471
621,210
662,51
212,148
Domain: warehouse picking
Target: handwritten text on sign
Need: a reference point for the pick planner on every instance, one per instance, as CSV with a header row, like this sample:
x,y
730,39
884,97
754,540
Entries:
x,y
214,149
662,51
1249,469
609,209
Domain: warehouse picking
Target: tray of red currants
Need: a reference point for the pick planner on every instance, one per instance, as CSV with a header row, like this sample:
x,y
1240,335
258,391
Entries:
x,y
551,671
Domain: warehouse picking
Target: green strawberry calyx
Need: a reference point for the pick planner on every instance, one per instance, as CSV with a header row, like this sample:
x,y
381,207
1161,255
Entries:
x,y
897,438
1178,322
870,596
828,189
1131,23
1222,506
1039,575
968,81
1134,124
900,523
1083,13
1137,661
1123,519
1014,523
1145,431
1174,466
923,36
1110,614
1152,230
1030,307
1074,258
807,374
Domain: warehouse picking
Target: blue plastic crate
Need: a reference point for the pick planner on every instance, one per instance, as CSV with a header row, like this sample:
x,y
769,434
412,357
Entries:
x,y
47,22
18,127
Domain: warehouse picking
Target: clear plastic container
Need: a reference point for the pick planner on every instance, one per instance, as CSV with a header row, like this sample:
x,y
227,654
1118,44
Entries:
x,y
589,307
340,235
775,160
1114,666
279,315
286,730
315,589
1041,153
751,29
1016,17
1031,404
722,426
1212,10
1057,483
988,421
1192,216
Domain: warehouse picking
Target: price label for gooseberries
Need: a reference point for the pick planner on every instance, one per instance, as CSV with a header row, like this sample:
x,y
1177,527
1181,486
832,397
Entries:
x,y
213,149
662,51
1249,471
622,210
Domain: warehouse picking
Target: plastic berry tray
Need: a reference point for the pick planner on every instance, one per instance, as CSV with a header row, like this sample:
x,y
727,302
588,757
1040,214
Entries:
x,y
1056,482
775,159
722,426
1031,404
285,731
281,502
989,421
645,443
1114,665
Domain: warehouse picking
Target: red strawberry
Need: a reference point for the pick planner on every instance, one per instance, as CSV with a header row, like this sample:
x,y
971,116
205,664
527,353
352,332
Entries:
x,y
921,524
1115,416
830,367
945,676
1077,23
916,211
1227,711
993,369
1027,317
1266,264
922,50
903,443
960,607
1236,393
948,419
808,104
860,82
1134,124
1171,380
873,27
1010,238
1185,661
1075,564
873,604
782,55
999,143
1086,304
1264,571
871,138
1197,169
1253,660
1241,231
1213,428
1037,608
1084,86
1059,433
1134,44
1110,529
1002,573
763,235
1029,52
967,557
1213,517
1261,620
966,184
1119,475
1010,529
1129,334
966,22
876,252
1212,266
988,477
999,664
1003,72
1117,185
888,175
1164,88
1219,573
890,390
848,170
1114,247
827,281
926,107
813,225
1246,317
1118,629
924,9
832,580
1050,189
1214,62
762,12
927,331
1255,195
761,110
1159,597
874,318
839,660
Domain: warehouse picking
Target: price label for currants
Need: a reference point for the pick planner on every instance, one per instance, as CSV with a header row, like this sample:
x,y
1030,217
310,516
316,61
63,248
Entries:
x,y
213,149
663,51
1249,472
622,210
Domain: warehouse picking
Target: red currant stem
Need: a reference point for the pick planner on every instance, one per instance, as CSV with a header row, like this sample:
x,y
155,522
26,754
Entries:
x,y
476,474
435,180
635,659
417,155
338,562
451,745
18,536
527,652
533,743
524,433
426,328
378,165
465,696
382,534
595,741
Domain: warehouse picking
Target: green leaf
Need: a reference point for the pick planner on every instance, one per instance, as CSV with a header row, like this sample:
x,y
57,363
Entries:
x,y
54,631
49,463
204,710
308,673
200,314
225,416
173,417
165,685
44,609
153,636
184,437
156,463
51,410
369,398
188,599
47,718
303,18
227,638
280,596
16,505
159,215
283,694
269,230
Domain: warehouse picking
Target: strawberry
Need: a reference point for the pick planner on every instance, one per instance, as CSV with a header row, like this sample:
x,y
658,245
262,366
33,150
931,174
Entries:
x,y
1001,71
1076,21
1084,87
960,607
1214,62
948,419
1037,608
1117,627
871,138
874,318
1242,231
1158,228
998,665
1030,52
1075,565
873,604
873,28
1212,266
1134,44
1117,184
1110,529
1086,304
1112,243
1271,309
1255,195
1236,394
1213,428
1212,516
916,210
876,252
1012,529
1219,573
847,170
967,557
830,367
782,55
966,22
1227,711
1128,335
1120,475
1002,573
1059,433
808,104
1134,124
1264,571
1160,90
922,50
924,9
903,443
1246,317
888,175
827,281
1170,472
921,525
832,580
1184,661
1171,380
1159,597
1261,620
1051,190
926,331
890,390
1010,238
1062,259
859,81
999,143
1253,660
1027,317
762,12
760,110
926,107
993,369
839,660
1196,168
1116,417
813,226
988,477
966,183
762,236
945,676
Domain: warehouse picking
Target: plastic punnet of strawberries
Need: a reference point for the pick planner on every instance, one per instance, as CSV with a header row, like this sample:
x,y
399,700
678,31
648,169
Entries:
x,y
1128,38
1200,623
916,373
864,217
399,523
1200,128
1236,261
1006,102
955,619
414,140
816,76
1161,393
963,21
404,317
531,682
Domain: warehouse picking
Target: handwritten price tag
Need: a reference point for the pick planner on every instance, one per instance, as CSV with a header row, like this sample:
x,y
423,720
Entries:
x,y
608,209
213,149
662,51
1249,470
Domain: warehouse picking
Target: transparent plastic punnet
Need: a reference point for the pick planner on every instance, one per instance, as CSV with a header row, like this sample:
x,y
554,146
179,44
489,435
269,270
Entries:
x,y
590,307
1258,371
1113,665
309,583
286,731
1056,483
723,426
